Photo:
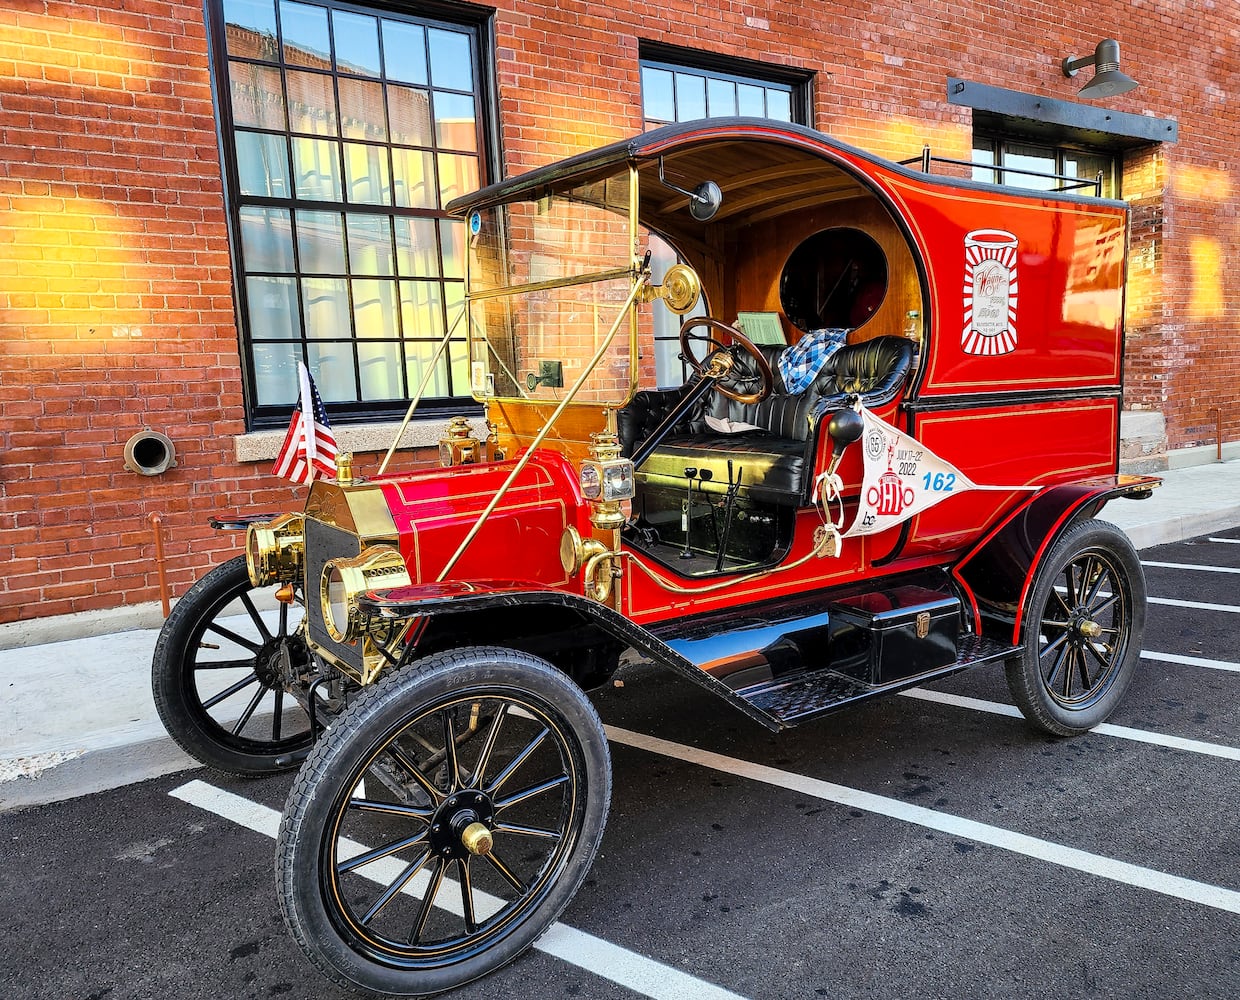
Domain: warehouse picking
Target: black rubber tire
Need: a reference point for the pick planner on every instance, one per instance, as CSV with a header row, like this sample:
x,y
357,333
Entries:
x,y
1091,578
180,654
322,808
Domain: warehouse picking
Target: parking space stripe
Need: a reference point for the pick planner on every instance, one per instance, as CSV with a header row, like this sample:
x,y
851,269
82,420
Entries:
x,y
1106,729
602,958
1191,661
1175,886
1197,605
1227,541
1193,566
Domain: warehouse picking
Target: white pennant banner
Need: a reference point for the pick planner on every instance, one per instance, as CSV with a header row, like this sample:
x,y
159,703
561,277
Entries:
x,y
902,478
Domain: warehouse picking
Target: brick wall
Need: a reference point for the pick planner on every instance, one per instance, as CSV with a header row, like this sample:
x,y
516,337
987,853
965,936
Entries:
x,y
116,308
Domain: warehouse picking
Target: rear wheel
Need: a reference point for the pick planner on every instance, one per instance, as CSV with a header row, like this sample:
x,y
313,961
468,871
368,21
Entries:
x,y
1083,627
443,822
219,670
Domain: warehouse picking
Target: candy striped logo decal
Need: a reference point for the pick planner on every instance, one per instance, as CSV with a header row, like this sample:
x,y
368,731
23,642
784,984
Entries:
x,y
989,292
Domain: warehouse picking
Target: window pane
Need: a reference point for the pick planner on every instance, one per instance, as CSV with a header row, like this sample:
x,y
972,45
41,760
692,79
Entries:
x,y
721,98
779,105
458,175
421,311
266,239
751,100
332,366
690,97
1025,156
255,21
311,103
257,99
451,65
455,126
452,238
320,242
984,155
304,29
273,307
275,371
262,164
1087,166
326,301
380,368
316,164
374,309
410,114
366,174
417,359
657,99
417,255
357,43
361,110
370,245
413,178
404,52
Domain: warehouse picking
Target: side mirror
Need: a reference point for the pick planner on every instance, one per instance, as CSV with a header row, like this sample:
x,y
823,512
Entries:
x,y
704,200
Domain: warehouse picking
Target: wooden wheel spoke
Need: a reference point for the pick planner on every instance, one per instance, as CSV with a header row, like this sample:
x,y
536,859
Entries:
x,y
401,880
1104,662
488,746
236,637
391,809
1107,604
1059,662
528,793
449,749
516,762
232,689
528,831
247,664
428,903
467,897
250,708
407,763
256,617
501,866
395,847
275,718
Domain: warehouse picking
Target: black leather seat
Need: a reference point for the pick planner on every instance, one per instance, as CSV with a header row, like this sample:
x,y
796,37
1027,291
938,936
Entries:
x,y
778,459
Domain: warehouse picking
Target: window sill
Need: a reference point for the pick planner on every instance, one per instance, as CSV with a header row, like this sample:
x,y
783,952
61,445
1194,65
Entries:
x,y
262,446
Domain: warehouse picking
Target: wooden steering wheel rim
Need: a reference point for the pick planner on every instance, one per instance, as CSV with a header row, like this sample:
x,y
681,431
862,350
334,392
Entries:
x,y
764,369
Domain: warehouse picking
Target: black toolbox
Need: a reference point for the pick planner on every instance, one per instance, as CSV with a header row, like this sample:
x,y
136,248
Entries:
x,y
886,635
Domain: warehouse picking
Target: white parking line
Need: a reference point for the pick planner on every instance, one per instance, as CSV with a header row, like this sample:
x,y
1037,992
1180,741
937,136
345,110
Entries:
x,y
1191,661
602,958
1106,729
1069,857
1193,566
1228,541
1198,605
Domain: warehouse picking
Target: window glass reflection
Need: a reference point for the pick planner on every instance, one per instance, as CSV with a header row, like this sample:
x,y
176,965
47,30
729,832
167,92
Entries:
x,y
451,64
306,40
320,242
262,164
266,239
404,52
357,43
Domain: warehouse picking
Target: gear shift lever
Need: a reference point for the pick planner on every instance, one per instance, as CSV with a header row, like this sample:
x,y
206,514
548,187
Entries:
x,y
686,513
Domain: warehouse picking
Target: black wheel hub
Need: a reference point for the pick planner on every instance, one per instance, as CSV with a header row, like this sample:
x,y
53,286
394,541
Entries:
x,y
453,816
279,660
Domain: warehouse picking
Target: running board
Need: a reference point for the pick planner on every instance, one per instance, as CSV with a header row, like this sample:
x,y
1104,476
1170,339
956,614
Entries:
x,y
791,702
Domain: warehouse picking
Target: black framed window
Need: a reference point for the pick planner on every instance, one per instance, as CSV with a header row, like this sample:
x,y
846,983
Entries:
x,y
680,86
345,130
1049,167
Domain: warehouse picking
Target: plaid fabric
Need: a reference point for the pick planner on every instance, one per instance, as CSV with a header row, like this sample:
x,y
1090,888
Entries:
x,y
800,364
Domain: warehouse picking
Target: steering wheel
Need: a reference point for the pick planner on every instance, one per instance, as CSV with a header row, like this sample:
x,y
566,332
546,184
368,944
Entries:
x,y
706,366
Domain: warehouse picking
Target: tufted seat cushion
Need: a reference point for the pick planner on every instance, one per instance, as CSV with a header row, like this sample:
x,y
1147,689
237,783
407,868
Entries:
x,y
778,460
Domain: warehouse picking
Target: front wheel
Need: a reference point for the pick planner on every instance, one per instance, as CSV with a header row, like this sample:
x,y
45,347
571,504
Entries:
x,y
443,822
1082,634
219,673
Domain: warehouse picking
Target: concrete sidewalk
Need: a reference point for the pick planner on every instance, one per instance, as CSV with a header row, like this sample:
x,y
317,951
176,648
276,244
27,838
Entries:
x,y
76,713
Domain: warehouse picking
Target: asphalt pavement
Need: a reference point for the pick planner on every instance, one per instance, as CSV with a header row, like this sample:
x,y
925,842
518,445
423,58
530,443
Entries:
x,y
76,713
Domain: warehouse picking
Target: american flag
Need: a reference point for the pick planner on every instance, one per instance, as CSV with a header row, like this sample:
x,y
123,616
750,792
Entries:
x,y
309,447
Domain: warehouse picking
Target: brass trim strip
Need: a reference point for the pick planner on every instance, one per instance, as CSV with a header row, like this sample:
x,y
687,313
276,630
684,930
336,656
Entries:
x,y
538,286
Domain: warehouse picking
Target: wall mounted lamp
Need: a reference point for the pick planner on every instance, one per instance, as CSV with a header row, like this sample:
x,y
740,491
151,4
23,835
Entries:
x,y
1108,80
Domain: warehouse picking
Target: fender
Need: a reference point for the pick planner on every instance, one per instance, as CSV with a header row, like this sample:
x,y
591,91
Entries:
x,y
998,572
475,606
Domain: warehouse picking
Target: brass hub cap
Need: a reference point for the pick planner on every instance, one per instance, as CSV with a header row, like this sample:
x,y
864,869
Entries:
x,y
461,827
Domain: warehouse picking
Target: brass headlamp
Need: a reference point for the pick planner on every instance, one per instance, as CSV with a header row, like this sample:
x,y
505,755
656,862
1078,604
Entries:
x,y
345,580
275,551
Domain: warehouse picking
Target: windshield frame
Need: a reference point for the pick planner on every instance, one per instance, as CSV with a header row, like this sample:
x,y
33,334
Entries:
x,y
479,346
